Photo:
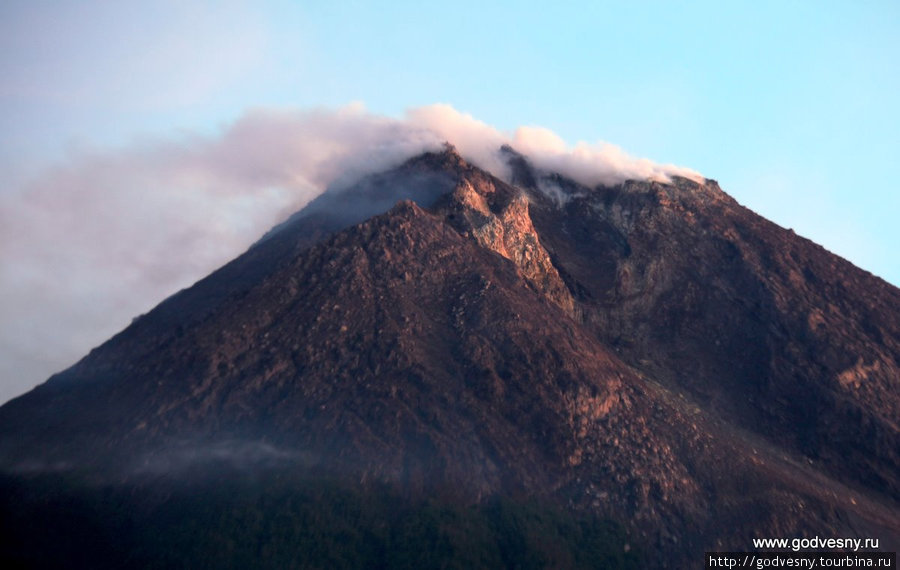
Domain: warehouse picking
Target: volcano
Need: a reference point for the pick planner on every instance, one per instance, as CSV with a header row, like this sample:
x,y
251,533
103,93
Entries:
x,y
439,367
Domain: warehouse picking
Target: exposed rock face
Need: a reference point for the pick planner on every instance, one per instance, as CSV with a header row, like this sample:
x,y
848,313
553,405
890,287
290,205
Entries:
x,y
652,352
498,219
760,326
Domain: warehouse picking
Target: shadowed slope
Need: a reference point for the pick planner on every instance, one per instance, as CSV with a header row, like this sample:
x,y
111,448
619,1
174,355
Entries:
x,y
638,352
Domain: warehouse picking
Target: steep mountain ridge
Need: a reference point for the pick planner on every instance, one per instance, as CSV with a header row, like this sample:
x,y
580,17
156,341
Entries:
x,y
650,352
752,320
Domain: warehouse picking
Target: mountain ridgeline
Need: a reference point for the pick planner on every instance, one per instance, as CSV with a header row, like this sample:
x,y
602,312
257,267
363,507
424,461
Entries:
x,y
439,363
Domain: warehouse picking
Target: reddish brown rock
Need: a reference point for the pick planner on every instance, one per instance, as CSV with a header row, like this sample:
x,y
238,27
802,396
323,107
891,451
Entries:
x,y
651,352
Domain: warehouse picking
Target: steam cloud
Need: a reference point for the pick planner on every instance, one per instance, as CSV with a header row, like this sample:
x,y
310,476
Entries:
x,y
90,243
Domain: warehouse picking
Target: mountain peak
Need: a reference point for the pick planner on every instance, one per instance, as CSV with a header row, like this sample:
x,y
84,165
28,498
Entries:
x,y
647,351
447,159
521,171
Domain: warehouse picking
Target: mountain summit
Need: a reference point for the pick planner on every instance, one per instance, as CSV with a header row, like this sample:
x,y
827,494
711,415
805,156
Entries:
x,y
651,353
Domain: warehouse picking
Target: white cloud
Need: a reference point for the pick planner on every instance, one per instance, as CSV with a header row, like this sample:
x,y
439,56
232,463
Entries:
x,y
92,242
587,163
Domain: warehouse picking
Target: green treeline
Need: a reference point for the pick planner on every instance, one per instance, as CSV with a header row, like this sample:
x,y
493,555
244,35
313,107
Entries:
x,y
279,523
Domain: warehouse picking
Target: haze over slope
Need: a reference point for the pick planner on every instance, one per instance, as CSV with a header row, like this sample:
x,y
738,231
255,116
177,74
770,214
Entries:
x,y
650,352
106,235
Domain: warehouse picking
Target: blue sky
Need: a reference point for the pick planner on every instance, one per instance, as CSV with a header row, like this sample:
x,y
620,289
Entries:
x,y
791,106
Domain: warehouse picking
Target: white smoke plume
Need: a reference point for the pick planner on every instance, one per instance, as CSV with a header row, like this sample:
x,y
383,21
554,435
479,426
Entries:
x,y
90,243
586,163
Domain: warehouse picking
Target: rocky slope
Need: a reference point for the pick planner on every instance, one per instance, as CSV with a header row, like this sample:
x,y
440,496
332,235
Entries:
x,y
654,353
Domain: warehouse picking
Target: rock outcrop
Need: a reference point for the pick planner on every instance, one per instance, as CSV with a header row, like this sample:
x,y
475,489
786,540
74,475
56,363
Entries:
x,y
653,352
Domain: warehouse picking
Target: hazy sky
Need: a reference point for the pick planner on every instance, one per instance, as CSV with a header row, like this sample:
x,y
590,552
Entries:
x,y
144,143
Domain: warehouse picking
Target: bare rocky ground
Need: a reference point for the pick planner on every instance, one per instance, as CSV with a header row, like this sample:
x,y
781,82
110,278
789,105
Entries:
x,y
652,353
